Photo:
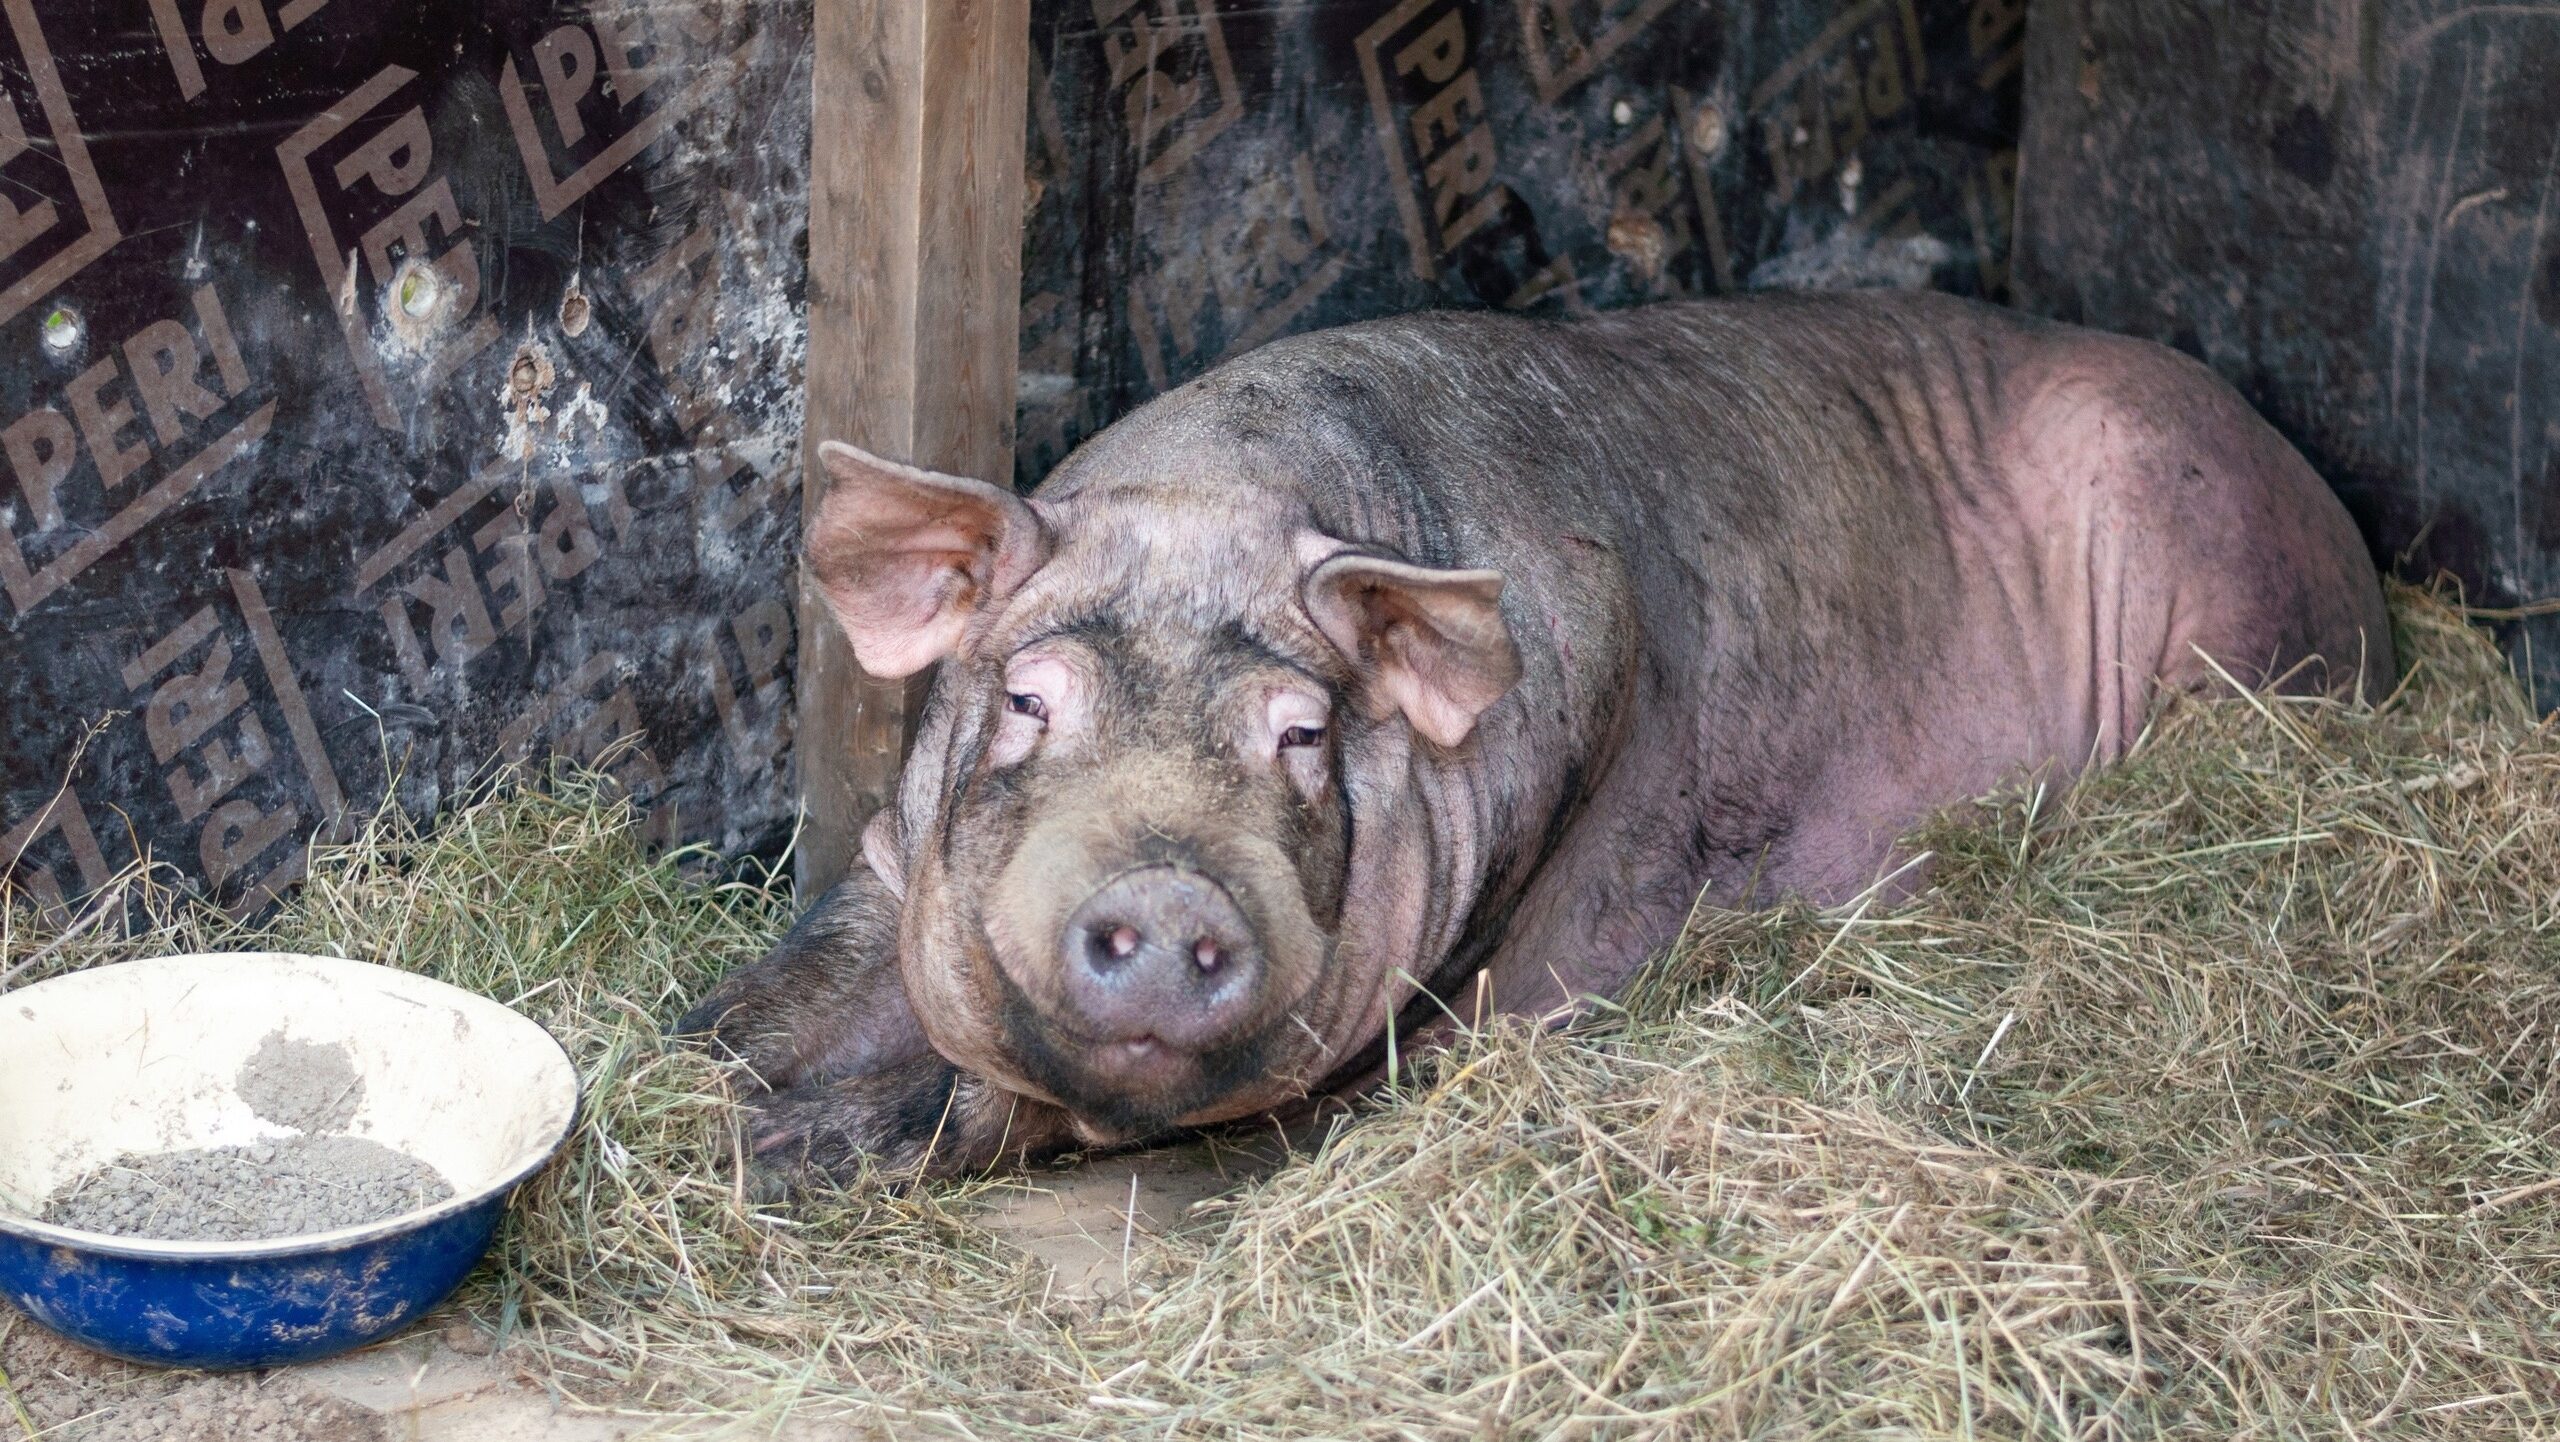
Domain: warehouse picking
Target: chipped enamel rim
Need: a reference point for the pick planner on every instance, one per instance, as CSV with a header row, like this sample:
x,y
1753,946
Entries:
x,y
555,1122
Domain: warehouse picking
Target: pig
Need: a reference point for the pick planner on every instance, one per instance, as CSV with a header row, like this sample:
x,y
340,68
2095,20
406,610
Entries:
x,y
1437,667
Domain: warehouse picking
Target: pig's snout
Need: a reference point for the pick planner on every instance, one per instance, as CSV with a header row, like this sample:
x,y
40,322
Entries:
x,y
1150,941
1160,957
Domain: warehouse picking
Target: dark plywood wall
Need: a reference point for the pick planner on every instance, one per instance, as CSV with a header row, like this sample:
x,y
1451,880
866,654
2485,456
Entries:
x,y
1205,176
446,357
2353,213
388,390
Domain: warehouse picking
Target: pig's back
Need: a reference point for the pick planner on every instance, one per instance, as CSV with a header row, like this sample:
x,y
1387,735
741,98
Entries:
x,y
1881,551
1949,546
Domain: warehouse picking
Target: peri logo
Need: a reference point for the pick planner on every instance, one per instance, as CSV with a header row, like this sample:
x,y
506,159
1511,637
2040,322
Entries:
x,y
35,852
53,212
1864,69
607,124
205,724
124,440
473,594
1564,41
233,31
1423,87
1168,62
424,270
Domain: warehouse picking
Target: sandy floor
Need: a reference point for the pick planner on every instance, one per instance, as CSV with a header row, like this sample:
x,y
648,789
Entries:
x,y
413,1389
443,1384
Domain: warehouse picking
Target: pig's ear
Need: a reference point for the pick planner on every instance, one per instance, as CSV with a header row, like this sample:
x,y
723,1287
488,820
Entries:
x,y
1431,643
905,555
880,849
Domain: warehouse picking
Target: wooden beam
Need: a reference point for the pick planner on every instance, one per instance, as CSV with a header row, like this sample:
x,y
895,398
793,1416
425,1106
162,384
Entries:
x,y
915,281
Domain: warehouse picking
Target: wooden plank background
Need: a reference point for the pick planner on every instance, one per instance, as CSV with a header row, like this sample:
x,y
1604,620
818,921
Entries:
x,y
915,224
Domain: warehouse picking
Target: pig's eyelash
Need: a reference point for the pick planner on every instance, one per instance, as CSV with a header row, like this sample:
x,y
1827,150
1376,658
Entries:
x,y
1023,703
1301,736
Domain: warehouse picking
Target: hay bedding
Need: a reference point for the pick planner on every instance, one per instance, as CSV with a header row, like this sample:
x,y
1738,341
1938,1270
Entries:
x,y
2215,1098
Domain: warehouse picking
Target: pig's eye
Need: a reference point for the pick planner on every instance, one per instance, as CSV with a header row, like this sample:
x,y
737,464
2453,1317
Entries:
x,y
1023,703
1302,736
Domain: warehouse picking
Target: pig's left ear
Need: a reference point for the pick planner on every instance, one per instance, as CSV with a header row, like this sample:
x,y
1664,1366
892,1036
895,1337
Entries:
x,y
1432,643
905,555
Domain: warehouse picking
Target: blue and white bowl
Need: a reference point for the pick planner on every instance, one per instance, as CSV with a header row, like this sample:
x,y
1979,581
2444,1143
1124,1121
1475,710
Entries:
x,y
142,1056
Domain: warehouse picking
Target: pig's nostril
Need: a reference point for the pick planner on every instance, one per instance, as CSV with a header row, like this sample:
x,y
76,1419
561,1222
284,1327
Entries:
x,y
1158,951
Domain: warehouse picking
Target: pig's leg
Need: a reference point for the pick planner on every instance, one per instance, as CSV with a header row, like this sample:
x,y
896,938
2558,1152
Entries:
x,y
826,1002
918,1117
2191,526
849,1079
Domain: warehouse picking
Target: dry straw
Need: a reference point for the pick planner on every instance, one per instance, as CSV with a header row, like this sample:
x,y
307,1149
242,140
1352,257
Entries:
x,y
2214,1098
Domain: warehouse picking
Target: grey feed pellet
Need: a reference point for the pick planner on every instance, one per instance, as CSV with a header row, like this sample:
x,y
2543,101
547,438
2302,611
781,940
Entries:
x,y
282,1188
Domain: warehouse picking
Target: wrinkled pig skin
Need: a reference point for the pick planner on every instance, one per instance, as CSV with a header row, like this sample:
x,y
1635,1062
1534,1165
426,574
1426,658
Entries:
x,y
1460,654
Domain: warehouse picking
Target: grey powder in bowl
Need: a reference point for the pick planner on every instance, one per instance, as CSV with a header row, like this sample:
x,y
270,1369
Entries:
x,y
286,1187
254,1193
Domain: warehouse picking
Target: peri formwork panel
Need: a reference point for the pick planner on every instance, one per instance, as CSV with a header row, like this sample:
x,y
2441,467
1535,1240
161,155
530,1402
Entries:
x,y
390,389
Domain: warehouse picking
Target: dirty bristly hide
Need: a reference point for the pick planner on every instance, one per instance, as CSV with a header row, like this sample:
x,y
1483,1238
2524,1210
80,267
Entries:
x,y
1440,664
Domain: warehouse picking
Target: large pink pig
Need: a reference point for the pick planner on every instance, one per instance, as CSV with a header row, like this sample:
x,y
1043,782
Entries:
x,y
1445,661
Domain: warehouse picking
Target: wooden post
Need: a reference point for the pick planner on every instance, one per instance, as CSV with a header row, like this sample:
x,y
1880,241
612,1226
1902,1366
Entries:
x,y
915,280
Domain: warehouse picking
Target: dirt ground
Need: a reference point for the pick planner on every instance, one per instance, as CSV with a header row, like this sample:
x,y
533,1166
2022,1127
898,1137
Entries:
x,y
418,1388
445,1381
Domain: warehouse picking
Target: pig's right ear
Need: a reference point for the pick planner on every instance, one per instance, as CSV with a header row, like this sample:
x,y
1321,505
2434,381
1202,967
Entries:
x,y
1432,643
904,555
880,849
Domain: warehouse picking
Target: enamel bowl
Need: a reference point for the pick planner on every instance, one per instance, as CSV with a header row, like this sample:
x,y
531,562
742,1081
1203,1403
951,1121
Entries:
x,y
141,1057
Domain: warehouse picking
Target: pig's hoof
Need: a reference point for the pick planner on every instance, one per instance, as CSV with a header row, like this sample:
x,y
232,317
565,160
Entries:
x,y
895,1124
737,1021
